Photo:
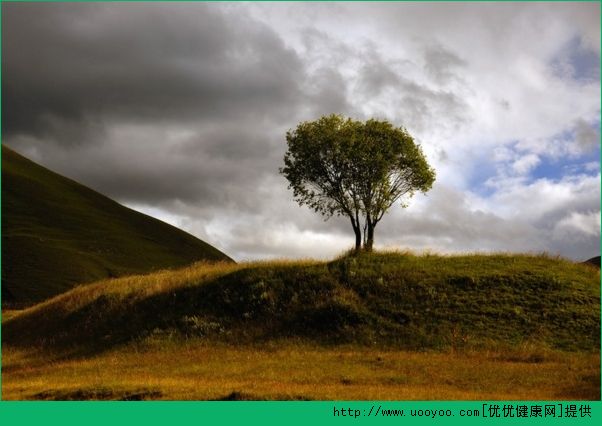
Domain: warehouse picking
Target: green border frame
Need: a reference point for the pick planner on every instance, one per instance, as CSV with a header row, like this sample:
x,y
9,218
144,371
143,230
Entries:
x,y
278,412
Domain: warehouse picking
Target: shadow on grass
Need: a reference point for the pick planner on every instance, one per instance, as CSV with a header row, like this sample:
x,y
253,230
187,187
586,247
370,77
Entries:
x,y
243,396
394,300
588,389
98,394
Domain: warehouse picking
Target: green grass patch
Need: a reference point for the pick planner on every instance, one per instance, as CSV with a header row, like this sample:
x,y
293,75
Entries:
x,y
380,299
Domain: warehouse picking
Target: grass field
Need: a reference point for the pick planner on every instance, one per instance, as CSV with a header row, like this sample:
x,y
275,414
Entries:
x,y
284,371
396,299
372,326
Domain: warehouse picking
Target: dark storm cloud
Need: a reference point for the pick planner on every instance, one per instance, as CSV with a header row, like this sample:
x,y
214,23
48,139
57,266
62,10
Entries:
x,y
441,63
218,168
327,93
416,105
424,106
90,63
154,103
376,75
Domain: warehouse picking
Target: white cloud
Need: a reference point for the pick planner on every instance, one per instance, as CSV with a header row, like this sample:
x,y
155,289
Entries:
x,y
578,225
525,164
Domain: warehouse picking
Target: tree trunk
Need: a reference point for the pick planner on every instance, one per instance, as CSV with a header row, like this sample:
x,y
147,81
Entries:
x,y
370,238
358,233
358,238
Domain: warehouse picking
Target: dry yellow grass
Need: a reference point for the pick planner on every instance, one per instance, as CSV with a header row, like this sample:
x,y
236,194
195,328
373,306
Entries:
x,y
169,365
183,370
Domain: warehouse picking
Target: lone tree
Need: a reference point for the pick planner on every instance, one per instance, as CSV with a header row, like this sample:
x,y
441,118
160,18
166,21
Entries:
x,y
339,166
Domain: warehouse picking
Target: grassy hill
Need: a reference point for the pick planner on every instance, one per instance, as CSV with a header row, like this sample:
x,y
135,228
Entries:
x,y
57,233
384,299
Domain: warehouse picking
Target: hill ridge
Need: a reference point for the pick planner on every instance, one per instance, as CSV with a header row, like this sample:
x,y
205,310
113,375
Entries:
x,y
594,261
400,300
57,233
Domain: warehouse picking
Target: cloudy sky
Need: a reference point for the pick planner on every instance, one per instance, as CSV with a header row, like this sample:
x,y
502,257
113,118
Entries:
x,y
180,111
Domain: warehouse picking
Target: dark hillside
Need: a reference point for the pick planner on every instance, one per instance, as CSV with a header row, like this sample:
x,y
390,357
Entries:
x,y
57,233
594,261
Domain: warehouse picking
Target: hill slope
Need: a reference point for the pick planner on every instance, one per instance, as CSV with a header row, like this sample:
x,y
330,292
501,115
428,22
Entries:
x,y
57,233
383,298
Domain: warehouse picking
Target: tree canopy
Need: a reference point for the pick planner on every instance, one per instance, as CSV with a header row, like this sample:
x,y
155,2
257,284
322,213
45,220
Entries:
x,y
339,166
